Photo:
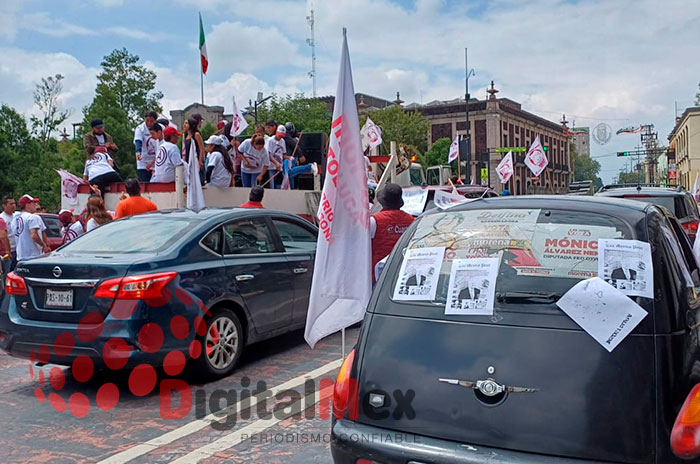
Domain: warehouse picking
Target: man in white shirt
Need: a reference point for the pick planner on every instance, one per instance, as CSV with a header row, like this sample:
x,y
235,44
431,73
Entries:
x,y
141,134
276,149
168,157
29,230
150,149
7,214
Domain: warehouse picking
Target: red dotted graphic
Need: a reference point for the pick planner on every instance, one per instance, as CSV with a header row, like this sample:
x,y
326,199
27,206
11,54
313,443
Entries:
x,y
63,344
56,378
151,338
142,380
107,396
82,368
174,363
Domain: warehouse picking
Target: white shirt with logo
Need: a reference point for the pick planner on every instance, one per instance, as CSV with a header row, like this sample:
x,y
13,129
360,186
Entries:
x,y
276,149
167,159
97,165
8,221
22,224
256,158
149,150
72,231
220,177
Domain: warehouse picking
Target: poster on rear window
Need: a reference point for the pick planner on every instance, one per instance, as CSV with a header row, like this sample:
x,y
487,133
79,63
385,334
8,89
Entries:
x,y
563,250
627,266
472,287
604,312
414,201
418,277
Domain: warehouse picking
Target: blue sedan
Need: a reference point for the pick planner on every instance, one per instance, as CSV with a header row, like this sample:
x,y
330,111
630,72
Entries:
x,y
143,288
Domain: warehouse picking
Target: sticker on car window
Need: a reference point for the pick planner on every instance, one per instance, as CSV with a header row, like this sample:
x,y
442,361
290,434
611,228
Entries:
x,y
472,287
627,266
603,311
418,277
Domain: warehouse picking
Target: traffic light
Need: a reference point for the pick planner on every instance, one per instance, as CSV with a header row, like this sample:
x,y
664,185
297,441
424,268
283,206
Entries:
x,y
623,153
544,147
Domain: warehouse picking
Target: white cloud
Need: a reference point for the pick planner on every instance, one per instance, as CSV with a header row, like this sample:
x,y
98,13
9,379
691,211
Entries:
x,y
137,34
43,23
8,18
109,3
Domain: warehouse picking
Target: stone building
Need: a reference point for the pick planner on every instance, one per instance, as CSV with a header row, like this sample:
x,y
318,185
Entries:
x,y
210,114
498,123
581,139
685,141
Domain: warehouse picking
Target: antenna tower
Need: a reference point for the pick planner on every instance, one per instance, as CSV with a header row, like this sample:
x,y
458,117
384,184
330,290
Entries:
x,y
312,43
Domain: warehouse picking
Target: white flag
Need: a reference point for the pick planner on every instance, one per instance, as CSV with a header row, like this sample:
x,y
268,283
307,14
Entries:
x,y
454,150
371,135
505,168
446,199
696,187
342,280
536,159
195,196
238,122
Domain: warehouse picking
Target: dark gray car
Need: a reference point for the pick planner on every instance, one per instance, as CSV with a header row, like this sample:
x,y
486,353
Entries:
x,y
526,384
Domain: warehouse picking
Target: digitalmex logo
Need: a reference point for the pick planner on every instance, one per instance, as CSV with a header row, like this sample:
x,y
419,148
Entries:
x,y
143,378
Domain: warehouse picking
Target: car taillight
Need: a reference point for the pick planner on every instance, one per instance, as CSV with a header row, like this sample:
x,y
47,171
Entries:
x,y
138,287
14,285
690,227
685,435
345,393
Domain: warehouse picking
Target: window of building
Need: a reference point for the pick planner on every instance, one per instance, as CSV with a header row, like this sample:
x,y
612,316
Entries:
x,y
505,140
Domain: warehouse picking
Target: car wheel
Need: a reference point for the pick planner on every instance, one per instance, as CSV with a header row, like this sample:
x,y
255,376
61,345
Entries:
x,y
222,344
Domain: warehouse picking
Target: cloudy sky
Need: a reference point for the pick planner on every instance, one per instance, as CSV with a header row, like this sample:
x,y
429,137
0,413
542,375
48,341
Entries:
x,y
620,62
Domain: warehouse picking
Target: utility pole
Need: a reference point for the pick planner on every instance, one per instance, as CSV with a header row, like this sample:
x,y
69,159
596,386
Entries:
x,y
649,139
312,43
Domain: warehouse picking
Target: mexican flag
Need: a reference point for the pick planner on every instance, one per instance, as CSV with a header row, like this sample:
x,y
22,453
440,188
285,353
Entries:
x,y
627,130
203,46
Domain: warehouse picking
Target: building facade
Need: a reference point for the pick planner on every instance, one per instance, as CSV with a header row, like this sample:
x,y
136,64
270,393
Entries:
x,y
582,140
210,114
497,124
685,140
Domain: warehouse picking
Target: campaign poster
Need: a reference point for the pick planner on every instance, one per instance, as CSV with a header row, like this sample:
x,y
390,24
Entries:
x,y
419,273
472,287
414,201
627,266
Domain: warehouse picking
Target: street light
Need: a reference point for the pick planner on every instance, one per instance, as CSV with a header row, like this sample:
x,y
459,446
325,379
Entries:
x,y
259,100
466,146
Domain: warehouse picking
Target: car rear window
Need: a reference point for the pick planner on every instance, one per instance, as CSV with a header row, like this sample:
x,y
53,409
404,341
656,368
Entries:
x,y
135,235
540,250
53,226
675,204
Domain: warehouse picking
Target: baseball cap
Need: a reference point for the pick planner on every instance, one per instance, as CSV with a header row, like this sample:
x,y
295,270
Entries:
x,y
168,131
214,140
25,200
221,124
65,215
281,130
97,122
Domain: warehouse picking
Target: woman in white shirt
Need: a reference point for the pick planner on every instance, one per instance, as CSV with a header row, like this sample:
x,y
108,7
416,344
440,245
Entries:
x,y
99,169
219,163
97,214
255,160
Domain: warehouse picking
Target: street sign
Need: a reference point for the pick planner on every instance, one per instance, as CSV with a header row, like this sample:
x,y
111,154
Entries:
x,y
484,173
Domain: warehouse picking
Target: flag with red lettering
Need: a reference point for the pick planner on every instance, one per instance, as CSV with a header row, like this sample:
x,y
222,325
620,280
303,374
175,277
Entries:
x,y
536,159
454,150
505,168
238,122
342,280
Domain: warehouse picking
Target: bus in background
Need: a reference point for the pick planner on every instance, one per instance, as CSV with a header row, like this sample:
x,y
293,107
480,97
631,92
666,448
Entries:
x,y
582,187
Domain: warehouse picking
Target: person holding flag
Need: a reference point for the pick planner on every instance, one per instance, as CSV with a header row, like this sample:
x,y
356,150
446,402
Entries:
x,y
343,247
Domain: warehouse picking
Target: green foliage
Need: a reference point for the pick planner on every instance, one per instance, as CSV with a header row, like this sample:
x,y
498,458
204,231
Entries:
x,y
46,97
400,126
697,97
129,83
307,114
630,177
585,167
207,130
437,154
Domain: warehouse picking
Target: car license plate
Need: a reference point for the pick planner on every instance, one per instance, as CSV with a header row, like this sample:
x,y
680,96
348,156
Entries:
x,y
59,298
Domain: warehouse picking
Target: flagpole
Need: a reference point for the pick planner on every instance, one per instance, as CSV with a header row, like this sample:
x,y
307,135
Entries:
x,y
201,64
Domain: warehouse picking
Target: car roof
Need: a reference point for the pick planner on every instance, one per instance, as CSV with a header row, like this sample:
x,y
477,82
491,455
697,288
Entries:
x,y
215,214
460,188
653,191
627,209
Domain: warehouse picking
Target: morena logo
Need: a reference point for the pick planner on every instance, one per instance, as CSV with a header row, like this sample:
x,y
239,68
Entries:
x,y
115,355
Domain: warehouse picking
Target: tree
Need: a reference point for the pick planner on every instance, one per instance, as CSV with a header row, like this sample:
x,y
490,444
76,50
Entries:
x,y
437,154
585,167
630,177
46,97
409,127
307,114
697,97
129,83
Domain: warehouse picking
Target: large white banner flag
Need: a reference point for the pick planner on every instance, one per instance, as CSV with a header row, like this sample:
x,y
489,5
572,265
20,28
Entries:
x,y
536,159
342,280
371,135
195,196
454,150
238,122
696,187
505,168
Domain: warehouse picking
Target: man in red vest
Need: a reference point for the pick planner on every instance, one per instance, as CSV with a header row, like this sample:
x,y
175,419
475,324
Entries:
x,y
387,225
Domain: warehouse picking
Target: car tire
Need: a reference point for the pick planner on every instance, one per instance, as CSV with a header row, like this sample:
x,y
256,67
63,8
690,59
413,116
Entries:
x,y
220,355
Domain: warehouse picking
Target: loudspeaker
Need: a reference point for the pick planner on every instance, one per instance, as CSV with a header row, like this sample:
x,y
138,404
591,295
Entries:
x,y
314,147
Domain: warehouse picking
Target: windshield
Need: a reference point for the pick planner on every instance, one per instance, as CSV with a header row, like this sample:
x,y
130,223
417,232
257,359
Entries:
x,y
539,251
134,235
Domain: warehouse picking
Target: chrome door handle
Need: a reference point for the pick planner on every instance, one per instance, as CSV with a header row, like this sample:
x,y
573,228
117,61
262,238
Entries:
x,y
300,270
244,277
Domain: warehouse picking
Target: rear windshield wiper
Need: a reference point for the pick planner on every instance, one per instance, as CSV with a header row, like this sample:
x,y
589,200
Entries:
x,y
512,297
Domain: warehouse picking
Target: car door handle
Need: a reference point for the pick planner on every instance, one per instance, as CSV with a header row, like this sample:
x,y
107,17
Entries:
x,y
300,270
244,277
